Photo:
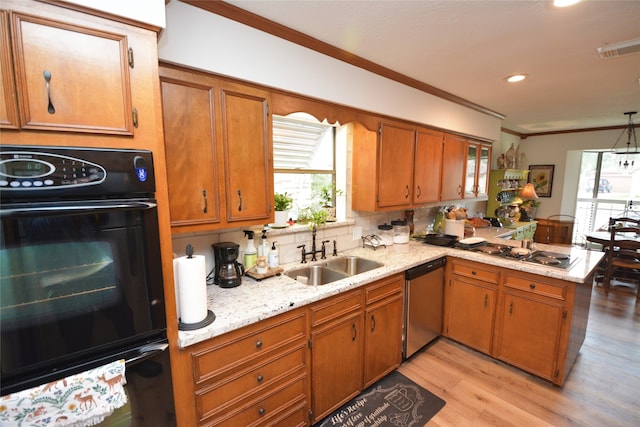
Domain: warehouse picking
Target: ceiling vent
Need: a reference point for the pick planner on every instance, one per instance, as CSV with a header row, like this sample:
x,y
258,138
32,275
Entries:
x,y
618,49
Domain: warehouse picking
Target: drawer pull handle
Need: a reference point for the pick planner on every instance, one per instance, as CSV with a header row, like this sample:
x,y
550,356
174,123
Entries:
x,y
511,308
258,344
406,194
353,332
486,300
262,411
532,285
239,200
373,323
260,378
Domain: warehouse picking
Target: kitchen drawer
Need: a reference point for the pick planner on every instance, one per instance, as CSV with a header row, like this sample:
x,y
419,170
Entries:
x,y
536,286
228,352
334,307
385,288
475,271
233,390
272,408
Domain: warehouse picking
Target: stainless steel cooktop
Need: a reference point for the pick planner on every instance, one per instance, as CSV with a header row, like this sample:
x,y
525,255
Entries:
x,y
547,258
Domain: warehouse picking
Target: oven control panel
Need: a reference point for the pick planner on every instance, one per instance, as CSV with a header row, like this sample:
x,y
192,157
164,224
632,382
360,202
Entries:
x,y
23,170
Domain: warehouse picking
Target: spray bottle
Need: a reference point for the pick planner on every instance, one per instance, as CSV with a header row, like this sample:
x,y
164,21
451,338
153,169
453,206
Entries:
x,y
250,253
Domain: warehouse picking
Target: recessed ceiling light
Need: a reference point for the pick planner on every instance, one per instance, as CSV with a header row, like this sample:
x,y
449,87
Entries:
x,y
564,3
516,78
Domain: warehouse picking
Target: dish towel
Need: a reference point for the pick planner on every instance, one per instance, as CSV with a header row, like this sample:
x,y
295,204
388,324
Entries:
x,y
83,399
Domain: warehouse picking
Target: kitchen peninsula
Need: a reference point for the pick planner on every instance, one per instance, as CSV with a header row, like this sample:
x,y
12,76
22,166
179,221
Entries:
x,y
559,298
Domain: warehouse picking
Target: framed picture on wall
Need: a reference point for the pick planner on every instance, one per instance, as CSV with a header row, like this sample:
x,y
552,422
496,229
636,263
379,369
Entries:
x,y
541,176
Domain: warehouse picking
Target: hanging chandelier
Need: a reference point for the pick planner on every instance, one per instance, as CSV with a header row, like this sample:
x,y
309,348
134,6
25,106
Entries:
x,y
628,152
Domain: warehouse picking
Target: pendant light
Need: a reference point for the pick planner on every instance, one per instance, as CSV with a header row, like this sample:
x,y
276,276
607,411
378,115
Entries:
x,y
628,152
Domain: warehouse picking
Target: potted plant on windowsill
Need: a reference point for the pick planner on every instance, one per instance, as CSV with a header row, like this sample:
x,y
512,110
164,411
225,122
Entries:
x,y
282,204
326,200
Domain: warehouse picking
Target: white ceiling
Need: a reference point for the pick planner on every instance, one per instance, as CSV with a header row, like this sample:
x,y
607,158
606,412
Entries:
x,y
468,47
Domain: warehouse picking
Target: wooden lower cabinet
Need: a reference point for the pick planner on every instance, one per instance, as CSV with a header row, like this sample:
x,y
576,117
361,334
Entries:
x,y
257,375
356,339
337,339
470,301
532,322
383,328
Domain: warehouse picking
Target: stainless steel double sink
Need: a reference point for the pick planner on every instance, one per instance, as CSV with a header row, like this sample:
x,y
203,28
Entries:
x,y
333,270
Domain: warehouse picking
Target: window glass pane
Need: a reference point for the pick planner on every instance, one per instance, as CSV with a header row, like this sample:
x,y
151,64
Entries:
x,y
617,183
302,144
302,187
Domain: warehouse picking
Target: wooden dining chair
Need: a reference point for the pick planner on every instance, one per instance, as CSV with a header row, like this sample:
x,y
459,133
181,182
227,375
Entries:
x,y
623,255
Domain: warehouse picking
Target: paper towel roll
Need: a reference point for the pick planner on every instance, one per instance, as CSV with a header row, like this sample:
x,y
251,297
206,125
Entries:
x,y
191,282
454,227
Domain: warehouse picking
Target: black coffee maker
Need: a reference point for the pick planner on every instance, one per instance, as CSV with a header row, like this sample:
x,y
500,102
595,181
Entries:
x,y
227,272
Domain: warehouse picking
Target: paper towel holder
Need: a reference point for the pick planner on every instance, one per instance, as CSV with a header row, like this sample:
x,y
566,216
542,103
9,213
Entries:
x,y
201,324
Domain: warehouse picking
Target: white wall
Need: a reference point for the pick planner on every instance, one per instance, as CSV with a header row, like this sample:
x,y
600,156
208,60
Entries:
x,y
203,40
564,152
147,11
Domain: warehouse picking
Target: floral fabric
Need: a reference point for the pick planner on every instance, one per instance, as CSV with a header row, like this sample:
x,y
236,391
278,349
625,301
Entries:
x,y
79,400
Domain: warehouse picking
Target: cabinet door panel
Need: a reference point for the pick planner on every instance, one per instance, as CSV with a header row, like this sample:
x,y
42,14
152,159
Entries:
x,y
538,320
383,346
471,313
190,149
8,105
396,160
470,172
427,167
453,160
336,354
89,86
246,140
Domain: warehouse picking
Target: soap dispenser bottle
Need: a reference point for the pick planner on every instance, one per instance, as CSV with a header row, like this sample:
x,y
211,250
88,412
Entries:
x,y
274,256
250,253
263,249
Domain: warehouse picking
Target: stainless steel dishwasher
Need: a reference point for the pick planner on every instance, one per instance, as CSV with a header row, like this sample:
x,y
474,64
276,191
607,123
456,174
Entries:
x,y
424,293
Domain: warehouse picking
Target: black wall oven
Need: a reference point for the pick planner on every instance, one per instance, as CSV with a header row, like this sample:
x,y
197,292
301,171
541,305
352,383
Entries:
x,y
80,271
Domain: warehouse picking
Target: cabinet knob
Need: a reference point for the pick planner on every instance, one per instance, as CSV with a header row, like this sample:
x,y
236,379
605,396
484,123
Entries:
x,y
473,272
258,344
260,378
532,285
262,411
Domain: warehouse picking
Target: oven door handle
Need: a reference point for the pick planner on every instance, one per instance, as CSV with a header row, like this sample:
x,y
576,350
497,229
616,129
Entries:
x,y
146,352
37,209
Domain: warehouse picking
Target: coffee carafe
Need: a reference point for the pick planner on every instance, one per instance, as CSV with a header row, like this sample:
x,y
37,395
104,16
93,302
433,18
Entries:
x,y
227,272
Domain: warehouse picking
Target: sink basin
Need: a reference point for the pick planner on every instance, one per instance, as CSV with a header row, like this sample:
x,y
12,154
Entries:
x,y
352,265
315,275
332,270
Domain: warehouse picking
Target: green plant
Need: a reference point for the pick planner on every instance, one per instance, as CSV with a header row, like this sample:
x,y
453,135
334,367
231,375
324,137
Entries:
x,y
530,203
326,194
314,216
282,202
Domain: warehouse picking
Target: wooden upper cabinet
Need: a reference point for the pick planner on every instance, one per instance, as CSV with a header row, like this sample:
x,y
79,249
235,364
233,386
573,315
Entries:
x,y
477,170
454,157
248,158
190,147
9,105
79,83
395,180
427,170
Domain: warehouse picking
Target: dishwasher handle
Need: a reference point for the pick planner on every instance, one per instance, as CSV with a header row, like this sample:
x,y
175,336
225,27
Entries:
x,y
425,268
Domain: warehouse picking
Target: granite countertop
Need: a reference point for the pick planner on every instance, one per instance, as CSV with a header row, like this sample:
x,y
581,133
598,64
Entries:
x,y
254,301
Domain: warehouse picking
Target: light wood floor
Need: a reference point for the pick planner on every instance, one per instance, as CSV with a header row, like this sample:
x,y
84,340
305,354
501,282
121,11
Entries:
x,y
603,388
